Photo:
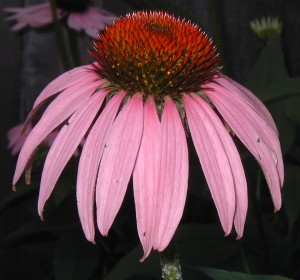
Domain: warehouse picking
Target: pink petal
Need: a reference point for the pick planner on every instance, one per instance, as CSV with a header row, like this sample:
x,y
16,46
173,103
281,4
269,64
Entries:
x,y
58,111
248,97
256,134
92,21
198,108
75,77
89,164
33,16
74,21
213,158
118,161
173,180
145,176
65,145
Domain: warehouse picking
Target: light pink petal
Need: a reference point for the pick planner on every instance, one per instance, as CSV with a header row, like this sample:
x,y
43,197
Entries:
x,y
145,177
92,21
256,134
248,97
83,74
89,164
198,108
58,111
173,180
214,160
65,145
74,21
118,161
33,16
16,138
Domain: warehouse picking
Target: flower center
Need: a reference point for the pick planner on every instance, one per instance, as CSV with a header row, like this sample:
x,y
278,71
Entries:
x,y
73,5
155,53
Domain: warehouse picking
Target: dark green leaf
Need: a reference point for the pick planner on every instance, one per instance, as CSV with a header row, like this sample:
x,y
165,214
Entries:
x,y
291,193
219,274
292,108
130,266
205,244
75,258
284,88
269,67
286,127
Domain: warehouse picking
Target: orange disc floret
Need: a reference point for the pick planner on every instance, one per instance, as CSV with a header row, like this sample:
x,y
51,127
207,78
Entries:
x,y
155,53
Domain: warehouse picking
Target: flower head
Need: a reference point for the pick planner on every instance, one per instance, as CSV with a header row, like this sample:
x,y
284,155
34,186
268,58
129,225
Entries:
x,y
266,27
154,74
80,16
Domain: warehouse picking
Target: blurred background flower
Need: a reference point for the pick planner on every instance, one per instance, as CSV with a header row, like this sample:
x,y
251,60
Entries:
x,y
80,16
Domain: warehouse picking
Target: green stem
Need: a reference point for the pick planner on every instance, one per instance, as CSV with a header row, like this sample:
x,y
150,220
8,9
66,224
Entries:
x,y
170,265
216,28
245,261
72,35
59,36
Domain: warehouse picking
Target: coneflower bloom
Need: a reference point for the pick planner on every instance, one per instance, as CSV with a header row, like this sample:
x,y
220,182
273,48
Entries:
x,y
80,16
154,75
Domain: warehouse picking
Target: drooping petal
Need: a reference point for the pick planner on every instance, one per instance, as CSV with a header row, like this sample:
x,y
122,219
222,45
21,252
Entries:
x,y
118,161
57,112
89,164
248,97
256,134
82,75
173,179
65,145
145,177
199,109
214,161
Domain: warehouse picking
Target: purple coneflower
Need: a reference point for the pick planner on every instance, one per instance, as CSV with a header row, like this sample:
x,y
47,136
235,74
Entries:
x,y
153,75
80,16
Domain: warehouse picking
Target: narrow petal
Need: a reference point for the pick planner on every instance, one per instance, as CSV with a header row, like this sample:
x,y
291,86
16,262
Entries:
x,y
118,161
255,133
89,164
214,160
248,97
77,76
231,152
65,145
74,21
173,180
57,112
145,177
34,16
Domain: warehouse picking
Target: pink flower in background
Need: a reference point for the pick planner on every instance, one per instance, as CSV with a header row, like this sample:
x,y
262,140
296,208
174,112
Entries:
x,y
154,74
16,137
87,18
92,21
33,16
